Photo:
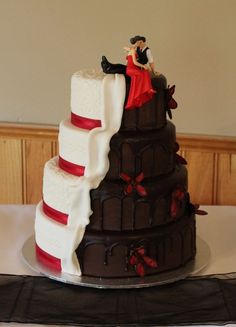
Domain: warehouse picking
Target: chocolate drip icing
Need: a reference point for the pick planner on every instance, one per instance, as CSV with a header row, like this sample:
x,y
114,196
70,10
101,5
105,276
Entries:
x,y
157,219
167,245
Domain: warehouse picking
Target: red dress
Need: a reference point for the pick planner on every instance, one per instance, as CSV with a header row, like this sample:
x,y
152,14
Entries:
x,y
141,90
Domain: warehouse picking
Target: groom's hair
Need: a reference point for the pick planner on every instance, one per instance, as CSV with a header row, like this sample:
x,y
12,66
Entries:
x,y
136,38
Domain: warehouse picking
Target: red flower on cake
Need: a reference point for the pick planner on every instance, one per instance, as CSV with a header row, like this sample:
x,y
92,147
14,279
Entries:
x,y
177,198
134,184
170,102
195,209
179,159
139,260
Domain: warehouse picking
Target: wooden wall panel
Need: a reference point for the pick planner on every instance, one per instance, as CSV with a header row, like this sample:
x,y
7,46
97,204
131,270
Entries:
x,y
215,171
11,171
24,149
36,153
226,179
200,176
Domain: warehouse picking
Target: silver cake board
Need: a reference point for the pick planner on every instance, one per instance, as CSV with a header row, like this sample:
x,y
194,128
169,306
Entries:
x,y
191,268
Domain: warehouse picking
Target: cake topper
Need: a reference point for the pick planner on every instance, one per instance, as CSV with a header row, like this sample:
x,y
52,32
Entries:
x,y
139,63
144,57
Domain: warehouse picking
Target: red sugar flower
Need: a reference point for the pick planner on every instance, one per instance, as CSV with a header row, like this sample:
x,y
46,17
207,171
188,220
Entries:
x,y
134,184
140,260
197,211
177,198
170,102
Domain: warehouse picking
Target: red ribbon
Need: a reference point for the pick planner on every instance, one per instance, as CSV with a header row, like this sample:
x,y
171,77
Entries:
x,y
85,123
55,214
70,167
47,259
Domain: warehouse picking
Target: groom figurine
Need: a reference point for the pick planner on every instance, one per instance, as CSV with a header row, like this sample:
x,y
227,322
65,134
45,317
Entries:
x,y
144,57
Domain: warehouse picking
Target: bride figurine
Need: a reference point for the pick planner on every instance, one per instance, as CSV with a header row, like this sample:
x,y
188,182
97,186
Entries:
x,y
141,90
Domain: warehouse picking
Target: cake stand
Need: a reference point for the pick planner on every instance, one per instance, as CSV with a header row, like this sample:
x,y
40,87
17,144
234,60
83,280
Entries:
x,y
193,267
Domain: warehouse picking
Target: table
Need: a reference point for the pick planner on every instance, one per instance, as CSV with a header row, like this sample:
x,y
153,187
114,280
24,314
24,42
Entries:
x,y
217,229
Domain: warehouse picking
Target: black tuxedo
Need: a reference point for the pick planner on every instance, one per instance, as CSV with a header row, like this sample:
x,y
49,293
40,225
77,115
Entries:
x,y
142,56
109,68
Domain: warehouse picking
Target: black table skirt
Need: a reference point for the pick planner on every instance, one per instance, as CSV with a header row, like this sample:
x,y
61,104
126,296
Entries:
x,y
39,300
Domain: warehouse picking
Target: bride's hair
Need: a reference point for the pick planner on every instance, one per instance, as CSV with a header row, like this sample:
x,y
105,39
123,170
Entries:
x,y
136,38
132,40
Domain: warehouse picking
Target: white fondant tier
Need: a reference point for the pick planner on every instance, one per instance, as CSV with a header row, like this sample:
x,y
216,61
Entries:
x,y
73,143
70,194
58,186
86,95
60,241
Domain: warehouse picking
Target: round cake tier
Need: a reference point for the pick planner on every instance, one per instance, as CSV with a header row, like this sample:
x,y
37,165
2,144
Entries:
x,y
152,115
145,252
116,209
152,153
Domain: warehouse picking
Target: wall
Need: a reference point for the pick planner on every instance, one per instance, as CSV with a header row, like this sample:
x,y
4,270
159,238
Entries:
x,y
44,41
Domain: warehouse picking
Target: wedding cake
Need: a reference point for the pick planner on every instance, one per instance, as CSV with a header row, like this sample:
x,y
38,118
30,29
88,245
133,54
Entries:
x,y
115,201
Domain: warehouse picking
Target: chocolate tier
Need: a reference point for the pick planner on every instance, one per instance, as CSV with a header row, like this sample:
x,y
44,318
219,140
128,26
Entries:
x,y
142,222
151,115
114,210
152,153
109,254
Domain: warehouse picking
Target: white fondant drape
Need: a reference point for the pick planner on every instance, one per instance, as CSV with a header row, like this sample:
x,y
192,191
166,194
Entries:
x,y
70,236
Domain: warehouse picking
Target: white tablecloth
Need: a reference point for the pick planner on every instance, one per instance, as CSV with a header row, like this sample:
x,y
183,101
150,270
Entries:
x,y
217,229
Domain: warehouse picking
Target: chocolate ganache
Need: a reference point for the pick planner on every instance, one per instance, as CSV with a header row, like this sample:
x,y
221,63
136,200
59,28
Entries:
x,y
142,222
